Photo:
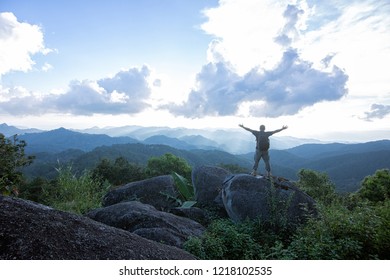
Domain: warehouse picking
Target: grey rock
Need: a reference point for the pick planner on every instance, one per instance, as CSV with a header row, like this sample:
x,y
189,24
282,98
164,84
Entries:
x,y
32,231
141,218
246,196
194,213
155,191
207,182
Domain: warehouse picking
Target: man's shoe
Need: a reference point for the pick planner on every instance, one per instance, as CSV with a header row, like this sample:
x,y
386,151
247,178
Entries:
x,y
254,173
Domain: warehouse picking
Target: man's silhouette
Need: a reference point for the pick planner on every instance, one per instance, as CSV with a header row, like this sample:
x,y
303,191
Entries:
x,y
262,146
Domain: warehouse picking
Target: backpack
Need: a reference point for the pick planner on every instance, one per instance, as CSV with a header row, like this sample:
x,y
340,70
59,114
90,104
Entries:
x,y
262,142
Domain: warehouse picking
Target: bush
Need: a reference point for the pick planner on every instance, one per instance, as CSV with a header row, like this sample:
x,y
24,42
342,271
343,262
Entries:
x,y
226,241
11,160
376,187
167,164
340,233
317,185
118,173
76,194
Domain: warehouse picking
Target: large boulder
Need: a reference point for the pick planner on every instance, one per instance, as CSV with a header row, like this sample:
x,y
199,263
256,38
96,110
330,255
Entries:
x,y
207,182
33,231
194,213
148,222
246,196
157,191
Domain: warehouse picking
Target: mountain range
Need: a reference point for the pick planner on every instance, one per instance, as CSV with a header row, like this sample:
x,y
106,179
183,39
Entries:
x,y
235,141
345,164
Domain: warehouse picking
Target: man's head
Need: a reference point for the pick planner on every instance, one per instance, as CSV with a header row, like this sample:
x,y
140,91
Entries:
x,y
262,127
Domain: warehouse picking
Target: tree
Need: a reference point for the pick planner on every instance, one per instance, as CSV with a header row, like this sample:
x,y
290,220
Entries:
x,y
118,173
12,159
376,187
167,164
317,185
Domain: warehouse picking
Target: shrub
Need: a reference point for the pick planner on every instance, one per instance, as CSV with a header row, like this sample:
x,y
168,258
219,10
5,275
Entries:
x,y
224,240
376,187
76,194
11,160
339,233
118,173
317,185
167,164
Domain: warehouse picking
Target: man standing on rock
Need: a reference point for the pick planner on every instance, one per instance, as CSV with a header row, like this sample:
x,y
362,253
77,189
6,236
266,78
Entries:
x,y
262,146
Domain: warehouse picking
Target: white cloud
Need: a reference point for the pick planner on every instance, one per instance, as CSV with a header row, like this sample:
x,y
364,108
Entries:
x,y
127,92
47,67
358,36
290,85
19,41
245,31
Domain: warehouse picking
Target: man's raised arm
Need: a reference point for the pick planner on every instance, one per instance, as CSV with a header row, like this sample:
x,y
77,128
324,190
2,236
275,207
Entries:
x,y
246,128
279,130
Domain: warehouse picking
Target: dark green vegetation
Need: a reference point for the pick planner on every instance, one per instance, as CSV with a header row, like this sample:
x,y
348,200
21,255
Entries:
x,y
12,158
354,226
351,225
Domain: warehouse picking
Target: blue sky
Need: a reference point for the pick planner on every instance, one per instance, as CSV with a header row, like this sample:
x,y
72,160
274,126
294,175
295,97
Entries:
x,y
320,67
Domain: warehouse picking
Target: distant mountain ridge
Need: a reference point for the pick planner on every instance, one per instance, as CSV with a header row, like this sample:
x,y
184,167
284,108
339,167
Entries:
x,y
61,139
321,150
9,130
235,140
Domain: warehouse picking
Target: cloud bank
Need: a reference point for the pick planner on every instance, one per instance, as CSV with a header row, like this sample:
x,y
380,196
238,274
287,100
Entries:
x,y
125,93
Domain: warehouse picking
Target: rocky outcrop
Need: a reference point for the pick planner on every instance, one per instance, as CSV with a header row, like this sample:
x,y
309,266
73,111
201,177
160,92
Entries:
x,y
246,196
155,191
207,182
32,231
148,222
194,213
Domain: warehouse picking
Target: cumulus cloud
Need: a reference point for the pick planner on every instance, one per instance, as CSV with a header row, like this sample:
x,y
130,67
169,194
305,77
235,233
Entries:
x,y
286,88
377,111
18,42
125,93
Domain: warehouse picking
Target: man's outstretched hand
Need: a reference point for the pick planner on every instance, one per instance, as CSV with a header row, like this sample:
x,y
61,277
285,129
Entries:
x,y
285,127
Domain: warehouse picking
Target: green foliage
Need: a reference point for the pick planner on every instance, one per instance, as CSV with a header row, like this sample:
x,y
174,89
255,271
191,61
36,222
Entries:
x,y
347,228
376,187
12,159
224,240
167,164
185,189
35,190
76,194
278,209
118,173
317,185
341,233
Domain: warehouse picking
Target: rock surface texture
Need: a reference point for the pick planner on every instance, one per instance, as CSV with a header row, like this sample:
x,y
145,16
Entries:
x,y
151,191
33,231
246,196
147,221
207,182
